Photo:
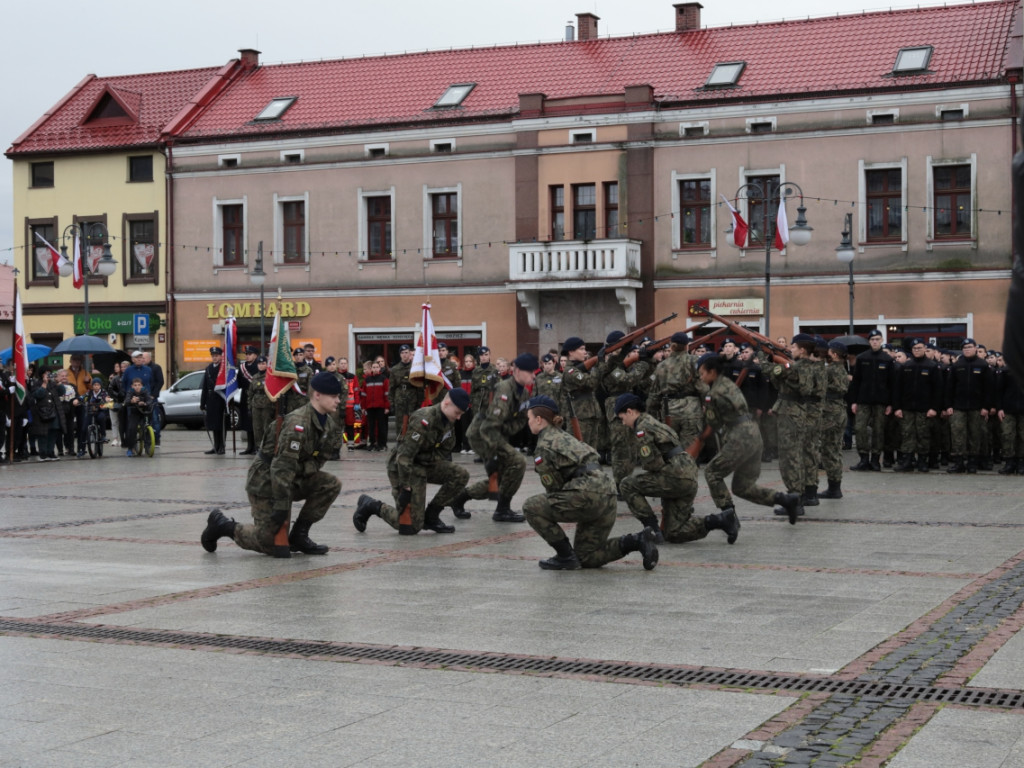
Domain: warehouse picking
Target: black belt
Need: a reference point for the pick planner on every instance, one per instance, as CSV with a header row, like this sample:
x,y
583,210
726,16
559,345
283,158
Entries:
x,y
586,469
672,452
579,396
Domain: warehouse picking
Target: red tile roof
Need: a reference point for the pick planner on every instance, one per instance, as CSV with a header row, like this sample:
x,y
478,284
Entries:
x,y
784,60
154,98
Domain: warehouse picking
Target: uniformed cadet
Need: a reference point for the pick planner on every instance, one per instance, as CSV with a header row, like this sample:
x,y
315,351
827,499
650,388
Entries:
x,y
484,379
212,404
796,384
261,409
812,445
617,380
405,398
871,395
739,454
833,419
576,491
549,380
449,369
1010,413
968,394
579,387
303,372
490,434
288,468
677,392
917,400
669,473
246,371
422,456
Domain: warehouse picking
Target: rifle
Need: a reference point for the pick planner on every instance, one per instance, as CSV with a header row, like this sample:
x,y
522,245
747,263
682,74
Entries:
x,y
573,421
629,338
774,351
281,546
632,357
697,445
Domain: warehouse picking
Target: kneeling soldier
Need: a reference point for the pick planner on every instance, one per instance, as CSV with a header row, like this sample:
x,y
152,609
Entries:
x,y
287,468
421,457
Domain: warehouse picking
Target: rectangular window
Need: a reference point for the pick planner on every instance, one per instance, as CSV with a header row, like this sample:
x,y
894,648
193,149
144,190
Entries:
x,y
42,175
141,264
695,213
557,212
38,258
611,209
885,204
232,221
445,208
378,228
140,168
760,203
92,246
293,215
584,211
952,202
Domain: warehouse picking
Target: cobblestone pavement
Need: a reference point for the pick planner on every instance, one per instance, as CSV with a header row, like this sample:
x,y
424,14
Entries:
x,y
882,629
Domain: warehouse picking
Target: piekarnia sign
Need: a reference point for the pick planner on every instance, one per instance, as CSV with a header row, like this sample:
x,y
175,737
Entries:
x,y
734,307
243,309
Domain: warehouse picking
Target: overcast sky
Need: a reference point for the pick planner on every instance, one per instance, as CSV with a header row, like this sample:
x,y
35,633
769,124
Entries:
x,y
49,48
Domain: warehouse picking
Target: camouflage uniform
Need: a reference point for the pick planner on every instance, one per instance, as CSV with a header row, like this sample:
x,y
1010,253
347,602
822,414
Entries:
x,y
405,398
304,374
812,444
489,436
450,369
550,384
577,491
616,380
484,379
421,457
833,421
578,385
796,385
669,474
261,410
287,468
676,396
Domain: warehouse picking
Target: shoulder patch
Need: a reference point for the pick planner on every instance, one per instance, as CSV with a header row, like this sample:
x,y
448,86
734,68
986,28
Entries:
x,y
294,445
424,422
640,433
415,436
299,428
504,397
777,370
538,460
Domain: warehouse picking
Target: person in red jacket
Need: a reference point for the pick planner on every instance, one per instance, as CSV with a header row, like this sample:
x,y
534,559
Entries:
x,y
375,403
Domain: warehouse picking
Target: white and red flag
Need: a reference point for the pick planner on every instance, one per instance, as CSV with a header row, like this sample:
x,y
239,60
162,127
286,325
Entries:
x,y
739,226
20,352
781,227
54,258
76,264
426,363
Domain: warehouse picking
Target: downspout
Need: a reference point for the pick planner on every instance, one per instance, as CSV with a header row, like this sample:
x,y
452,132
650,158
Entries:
x,y
171,304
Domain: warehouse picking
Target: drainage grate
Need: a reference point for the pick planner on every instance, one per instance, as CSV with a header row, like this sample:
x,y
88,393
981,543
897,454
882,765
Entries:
x,y
492,662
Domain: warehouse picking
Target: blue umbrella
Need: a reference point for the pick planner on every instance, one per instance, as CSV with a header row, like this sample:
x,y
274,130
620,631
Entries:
x,y
35,351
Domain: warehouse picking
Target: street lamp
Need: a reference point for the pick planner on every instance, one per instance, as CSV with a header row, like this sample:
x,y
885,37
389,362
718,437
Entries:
x,y
258,277
845,253
799,233
85,231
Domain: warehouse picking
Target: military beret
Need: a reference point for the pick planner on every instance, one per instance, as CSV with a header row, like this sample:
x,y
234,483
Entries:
x,y
328,361
704,358
728,340
744,345
549,358
483,350
627,400
968,342
250,349
459,398
213,351
543,401
803,337
326,383
261,359
837,346
572,343
405,348
931,346
442,345
820,340
887,346
526,362
613,337
298,351
874,332
915,342
680,337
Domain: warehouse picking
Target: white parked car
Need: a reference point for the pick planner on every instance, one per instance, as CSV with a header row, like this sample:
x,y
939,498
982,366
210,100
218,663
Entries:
x,y
179,403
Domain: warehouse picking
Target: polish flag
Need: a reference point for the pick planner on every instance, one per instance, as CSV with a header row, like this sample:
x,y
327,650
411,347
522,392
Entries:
x,y
739,226
56,258
19,352
781,227
426,364
76,265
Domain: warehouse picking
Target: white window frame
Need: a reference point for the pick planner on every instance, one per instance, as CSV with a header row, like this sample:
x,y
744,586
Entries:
x,y
364,235
742,207
862,197
369,148
428,219
279,201
752,121
702,124
218,231
588,136
286,153
223,161
930,164
677,243
872,113
434,143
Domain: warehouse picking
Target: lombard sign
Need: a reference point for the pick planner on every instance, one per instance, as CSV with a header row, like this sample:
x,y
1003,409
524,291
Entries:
x,y
245,309
120,323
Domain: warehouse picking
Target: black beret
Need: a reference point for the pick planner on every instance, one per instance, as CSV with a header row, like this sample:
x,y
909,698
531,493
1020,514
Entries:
x,y
326,383
543,401
704,358
680,337
442,345
549,358
405,348
261,359
915,342
803,337
728,340
328,361
298,351
968,341
526,362
613,337
483,350
874,332
572,343
838,346
627,400
459,398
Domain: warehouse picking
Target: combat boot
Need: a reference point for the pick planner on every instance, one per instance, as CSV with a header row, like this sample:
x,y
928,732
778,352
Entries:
x,y
458,506
645,543
956,465
810,498
933,461
834,491
725,520
789,504
863,466
299,541
564,560
875,466
887,459
923,465
432,520
504,513
366,507
985,463
652,522
972,465
217,525
906,463
1009,467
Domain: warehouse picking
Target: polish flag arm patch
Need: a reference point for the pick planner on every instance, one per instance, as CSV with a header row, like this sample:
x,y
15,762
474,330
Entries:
x,y
299,428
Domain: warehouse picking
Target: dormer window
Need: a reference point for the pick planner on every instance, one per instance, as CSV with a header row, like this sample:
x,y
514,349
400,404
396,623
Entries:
x,y
912,61
725,75
455,95
276,108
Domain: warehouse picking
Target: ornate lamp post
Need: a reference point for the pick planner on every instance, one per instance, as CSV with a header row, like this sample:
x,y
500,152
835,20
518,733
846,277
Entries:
x,y
845,253
106,266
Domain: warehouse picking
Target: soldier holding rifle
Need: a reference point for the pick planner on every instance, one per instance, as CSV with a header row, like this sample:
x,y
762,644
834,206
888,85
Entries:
x,y
676,393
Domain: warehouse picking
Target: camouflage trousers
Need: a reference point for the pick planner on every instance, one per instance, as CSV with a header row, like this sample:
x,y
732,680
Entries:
x,y
623,459
869,428
319,491
590,503
590,431
261,417
740,456
511,467
676,485
1012,435
811,445
686,417
833,424
451,477
916,432
965,433
794,426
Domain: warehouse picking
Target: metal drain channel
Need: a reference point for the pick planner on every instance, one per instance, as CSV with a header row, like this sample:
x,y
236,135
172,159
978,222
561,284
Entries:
x,y
647,673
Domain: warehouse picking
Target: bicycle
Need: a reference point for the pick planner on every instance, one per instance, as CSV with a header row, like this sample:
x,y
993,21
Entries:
x,y
95,435
145,438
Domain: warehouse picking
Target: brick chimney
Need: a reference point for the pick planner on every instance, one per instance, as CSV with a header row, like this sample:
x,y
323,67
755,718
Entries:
x,y
250,58
687,16
586,26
